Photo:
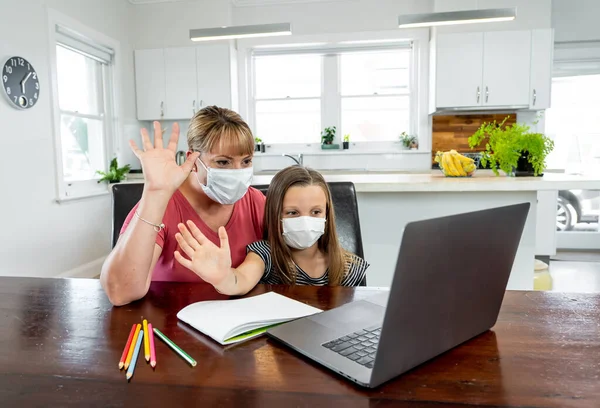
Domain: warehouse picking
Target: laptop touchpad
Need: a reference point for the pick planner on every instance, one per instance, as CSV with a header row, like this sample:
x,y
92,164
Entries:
x,y
351,317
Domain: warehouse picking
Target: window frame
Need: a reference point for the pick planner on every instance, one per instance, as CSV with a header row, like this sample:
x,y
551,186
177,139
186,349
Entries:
x,y
418,81
109,81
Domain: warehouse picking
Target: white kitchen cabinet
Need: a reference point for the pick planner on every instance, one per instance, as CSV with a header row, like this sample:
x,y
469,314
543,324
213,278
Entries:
x,y
488,70
542,54
215,67
506,68
174,83
459,69
181,85
150,84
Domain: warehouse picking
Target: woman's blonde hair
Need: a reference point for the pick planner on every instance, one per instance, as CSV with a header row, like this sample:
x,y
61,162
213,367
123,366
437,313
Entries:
x,y
214,129
328,243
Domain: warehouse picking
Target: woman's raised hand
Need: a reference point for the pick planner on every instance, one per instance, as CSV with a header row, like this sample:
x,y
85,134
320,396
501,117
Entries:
x,y
161,171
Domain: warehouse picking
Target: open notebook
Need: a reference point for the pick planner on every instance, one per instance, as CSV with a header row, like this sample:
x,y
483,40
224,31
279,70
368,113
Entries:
x,y
232,321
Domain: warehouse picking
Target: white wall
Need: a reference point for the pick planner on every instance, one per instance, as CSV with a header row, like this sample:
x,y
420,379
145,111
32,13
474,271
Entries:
x,y
39,236
168,24
333,16
576,20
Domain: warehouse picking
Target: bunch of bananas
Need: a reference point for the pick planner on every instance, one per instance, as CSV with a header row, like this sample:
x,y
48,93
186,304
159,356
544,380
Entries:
x,y
454,164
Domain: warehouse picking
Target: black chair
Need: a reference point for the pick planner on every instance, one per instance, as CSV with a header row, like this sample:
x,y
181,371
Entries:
x,y
126,195
347,222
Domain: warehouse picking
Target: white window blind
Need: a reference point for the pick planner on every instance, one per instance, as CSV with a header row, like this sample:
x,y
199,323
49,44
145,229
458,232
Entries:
x,y
86,46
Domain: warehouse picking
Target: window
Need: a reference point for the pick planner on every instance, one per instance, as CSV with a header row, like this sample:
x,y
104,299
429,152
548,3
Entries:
x,y
364,92
83,112
375,95
574,124
288,98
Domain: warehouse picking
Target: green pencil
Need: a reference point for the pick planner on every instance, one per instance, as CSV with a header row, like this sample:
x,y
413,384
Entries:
x,y
175,348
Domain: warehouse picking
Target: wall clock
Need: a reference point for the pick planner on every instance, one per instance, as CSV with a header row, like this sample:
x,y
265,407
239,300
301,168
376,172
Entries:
x,y
20,83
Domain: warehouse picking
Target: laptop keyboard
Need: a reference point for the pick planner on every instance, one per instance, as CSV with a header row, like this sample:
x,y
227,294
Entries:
x,y
359,346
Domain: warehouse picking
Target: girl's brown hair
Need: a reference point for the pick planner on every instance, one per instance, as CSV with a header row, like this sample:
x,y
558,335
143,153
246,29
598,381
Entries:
x,y
328,243
214,129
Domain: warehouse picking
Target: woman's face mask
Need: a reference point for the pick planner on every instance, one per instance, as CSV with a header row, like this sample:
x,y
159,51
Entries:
x,y
226,186
302,232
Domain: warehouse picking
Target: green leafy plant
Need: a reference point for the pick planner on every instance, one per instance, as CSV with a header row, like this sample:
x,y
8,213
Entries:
x,y
504,146
257,140
347,137
115,173
407,140
328,135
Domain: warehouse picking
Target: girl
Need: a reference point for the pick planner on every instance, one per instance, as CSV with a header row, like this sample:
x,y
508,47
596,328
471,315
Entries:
x,y
301,245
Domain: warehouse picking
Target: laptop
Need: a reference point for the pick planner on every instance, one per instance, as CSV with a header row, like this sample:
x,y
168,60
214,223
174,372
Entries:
x,y
450,279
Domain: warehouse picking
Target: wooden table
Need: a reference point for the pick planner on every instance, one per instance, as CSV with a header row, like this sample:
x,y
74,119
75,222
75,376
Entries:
x,y
61,340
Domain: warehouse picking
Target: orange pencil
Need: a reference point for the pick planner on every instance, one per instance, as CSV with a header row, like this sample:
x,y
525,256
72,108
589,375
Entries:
x,y
152,352
138,327
126,350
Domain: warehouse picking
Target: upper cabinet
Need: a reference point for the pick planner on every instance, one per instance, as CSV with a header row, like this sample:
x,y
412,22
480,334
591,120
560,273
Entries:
x,y
174,83
150,84
542,55
490,70
181,80
216,70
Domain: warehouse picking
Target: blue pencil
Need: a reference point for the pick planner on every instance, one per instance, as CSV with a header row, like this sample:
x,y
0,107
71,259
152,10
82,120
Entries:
x,y
136,351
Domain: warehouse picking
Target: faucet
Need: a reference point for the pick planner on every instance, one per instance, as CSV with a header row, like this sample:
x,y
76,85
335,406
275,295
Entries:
x,y
299,161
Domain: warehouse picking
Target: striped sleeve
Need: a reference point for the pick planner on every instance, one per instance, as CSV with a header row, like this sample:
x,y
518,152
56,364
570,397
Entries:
x,y
262,249
356,269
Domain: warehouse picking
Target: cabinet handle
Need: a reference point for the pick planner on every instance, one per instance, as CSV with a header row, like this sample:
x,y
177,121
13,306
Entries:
x,y
534,97
478,94
162,110
194,107
487,94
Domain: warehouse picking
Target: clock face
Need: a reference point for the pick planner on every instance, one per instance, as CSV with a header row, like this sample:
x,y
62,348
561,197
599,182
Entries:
x,y
20,83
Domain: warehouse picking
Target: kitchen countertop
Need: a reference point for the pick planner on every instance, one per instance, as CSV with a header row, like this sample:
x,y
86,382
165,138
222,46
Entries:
x,y
434,181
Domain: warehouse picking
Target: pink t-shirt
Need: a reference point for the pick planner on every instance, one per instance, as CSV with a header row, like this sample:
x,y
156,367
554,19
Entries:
x,y
244,227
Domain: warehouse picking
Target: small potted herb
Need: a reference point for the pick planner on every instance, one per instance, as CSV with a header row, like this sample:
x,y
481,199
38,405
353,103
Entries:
x,y
512,148
257,142
115,173
346,142
327,138
408,141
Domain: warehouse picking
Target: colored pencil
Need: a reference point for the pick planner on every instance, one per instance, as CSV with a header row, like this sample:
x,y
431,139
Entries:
x,y
138,327
175,348
146,341
150,335
136,352
126,350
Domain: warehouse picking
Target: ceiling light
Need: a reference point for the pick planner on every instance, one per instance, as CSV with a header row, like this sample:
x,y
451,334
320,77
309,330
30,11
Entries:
x,y
457,17
248,31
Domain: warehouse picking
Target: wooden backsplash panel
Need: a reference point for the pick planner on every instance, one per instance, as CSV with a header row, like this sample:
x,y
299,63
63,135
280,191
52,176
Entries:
x,y
453,131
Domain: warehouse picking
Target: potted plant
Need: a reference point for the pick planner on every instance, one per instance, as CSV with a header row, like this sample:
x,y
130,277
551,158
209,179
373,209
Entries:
x,y
408,141
346,143
115,173
513,148
257,142
327,138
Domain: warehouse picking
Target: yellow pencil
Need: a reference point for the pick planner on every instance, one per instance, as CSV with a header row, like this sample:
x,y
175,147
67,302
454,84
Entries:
x,y
146,341
132,347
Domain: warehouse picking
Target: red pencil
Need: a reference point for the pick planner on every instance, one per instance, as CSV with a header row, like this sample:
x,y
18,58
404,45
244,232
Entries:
x,y
124,356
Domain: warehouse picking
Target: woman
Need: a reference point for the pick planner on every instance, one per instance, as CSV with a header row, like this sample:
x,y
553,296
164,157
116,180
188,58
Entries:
x,y
211,189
